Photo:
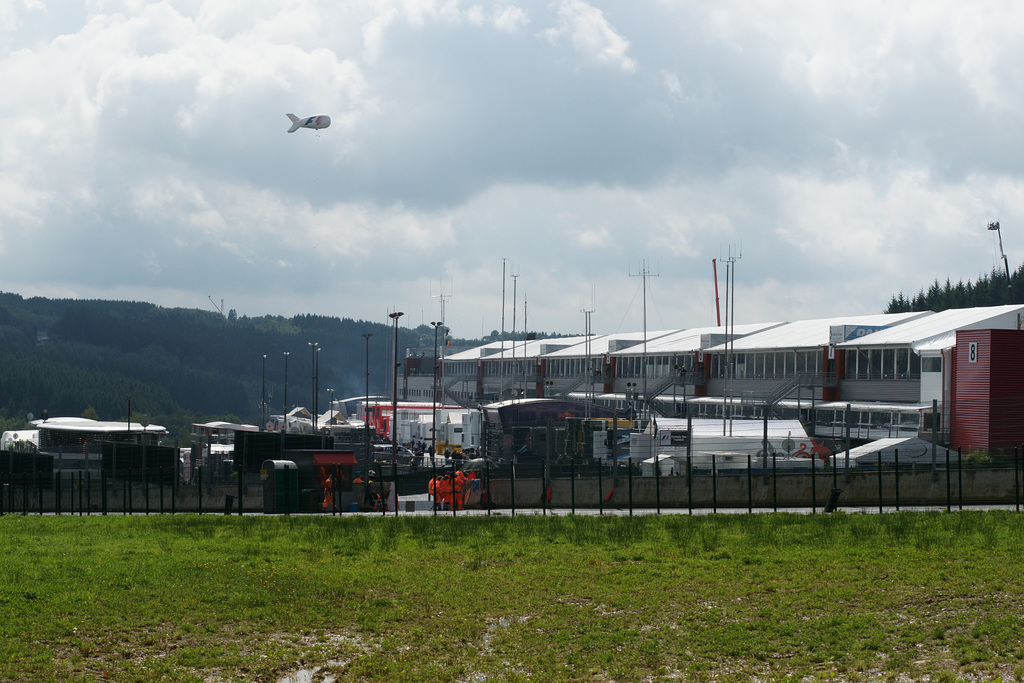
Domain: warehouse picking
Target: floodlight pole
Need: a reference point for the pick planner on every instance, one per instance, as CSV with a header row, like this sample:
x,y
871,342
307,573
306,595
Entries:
x,y
394,392
285,416
433,392
394,412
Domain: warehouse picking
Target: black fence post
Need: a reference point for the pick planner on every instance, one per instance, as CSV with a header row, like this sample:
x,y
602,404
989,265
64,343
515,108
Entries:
x,y
949,498
1016,481
145,480
657,483
814,486
835,473
287,490
103,491
630,461
39,490
714,483
689,483
241,484
896,466
572,484
129,485
175,473
335,503
600,488
960,476
750,487
512,484
487,474
545,481
880,481
56,494
199,483
433,482
775,483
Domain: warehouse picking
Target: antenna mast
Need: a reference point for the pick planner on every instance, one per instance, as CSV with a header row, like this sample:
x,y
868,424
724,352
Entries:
x,y
512,366
589,369
718,310
645,272
444,331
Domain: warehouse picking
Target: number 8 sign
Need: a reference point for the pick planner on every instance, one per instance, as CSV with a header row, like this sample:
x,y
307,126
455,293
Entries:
x,y
972,352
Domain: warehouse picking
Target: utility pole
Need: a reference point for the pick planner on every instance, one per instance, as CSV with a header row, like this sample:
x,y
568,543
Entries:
x,y
644,273
730,340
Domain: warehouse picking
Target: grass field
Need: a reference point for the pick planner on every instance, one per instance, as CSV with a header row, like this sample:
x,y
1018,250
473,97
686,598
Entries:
x,y
906,596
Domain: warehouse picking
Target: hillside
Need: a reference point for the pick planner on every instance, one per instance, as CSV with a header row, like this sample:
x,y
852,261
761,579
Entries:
x,y
179,365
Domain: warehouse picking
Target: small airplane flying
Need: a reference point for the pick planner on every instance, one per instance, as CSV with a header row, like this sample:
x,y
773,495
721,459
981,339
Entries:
x,y
314,122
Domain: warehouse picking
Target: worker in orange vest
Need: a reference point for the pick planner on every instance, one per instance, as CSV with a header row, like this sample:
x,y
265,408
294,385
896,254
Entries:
x,y
328,494
459,489
443,489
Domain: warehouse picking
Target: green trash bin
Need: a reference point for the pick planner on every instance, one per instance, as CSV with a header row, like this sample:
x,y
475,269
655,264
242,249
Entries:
x,y
280,487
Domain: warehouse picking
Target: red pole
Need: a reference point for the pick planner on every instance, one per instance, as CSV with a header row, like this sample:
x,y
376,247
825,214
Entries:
x,y
718,312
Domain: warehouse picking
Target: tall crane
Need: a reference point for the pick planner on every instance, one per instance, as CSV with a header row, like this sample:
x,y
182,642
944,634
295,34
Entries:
x,y
994,225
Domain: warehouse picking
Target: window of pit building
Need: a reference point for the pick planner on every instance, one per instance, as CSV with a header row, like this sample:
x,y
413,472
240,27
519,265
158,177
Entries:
x,y
883,363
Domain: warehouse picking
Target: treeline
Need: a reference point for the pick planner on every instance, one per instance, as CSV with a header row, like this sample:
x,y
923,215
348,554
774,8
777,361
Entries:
x,y
988,290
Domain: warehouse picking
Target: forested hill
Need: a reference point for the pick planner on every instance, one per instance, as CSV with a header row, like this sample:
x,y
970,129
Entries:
x,y
987,290
73,357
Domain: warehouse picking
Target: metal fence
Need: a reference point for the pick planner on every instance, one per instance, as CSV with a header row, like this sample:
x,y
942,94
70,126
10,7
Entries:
x,y
540,485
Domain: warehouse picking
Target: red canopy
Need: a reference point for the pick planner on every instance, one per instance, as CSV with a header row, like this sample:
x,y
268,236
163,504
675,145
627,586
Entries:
x,y
333,458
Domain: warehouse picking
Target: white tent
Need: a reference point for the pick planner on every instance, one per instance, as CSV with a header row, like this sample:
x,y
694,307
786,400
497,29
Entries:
x,y
911,451
666,463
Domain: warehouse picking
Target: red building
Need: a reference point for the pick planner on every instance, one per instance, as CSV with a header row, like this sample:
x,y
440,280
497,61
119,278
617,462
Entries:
x,y
987,391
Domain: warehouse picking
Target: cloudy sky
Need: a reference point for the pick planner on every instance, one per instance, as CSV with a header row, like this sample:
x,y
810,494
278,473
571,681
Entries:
x,y
847,151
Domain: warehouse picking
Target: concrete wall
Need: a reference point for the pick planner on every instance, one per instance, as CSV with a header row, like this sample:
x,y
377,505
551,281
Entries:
x,y
785,490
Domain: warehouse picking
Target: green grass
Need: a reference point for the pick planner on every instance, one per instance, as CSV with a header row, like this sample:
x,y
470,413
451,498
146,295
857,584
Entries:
x,y
582,598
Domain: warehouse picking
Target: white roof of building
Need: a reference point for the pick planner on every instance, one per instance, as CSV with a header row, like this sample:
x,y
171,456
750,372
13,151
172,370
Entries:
x,y
598,344
938,330
82,424
803,334
683,341
476,352
233,426
909,450
534,347
606,343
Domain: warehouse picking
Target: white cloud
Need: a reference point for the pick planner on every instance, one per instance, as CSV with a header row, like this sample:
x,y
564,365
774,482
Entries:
x,y
591,34
511,19
853,151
